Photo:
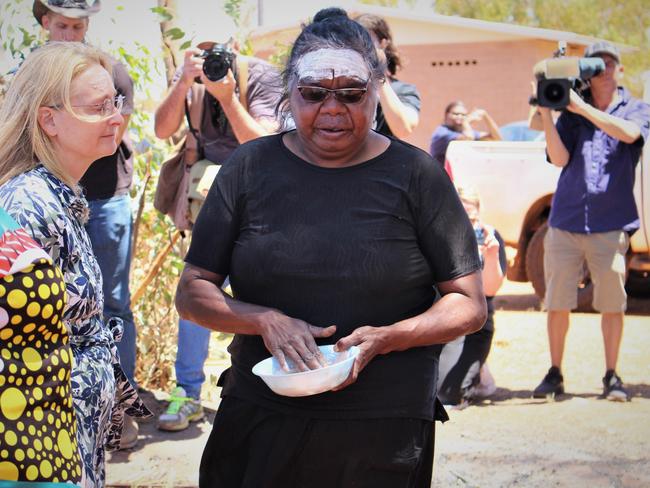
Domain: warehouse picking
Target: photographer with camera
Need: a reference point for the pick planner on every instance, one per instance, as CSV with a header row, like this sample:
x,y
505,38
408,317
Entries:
x,y
238,104
597,142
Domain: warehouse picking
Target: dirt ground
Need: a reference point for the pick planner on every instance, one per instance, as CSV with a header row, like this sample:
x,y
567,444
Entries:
x,y
510,440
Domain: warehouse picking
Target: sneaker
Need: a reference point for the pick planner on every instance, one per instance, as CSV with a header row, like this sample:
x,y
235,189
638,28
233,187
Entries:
x,y
613,387
551,385
180,412
130,431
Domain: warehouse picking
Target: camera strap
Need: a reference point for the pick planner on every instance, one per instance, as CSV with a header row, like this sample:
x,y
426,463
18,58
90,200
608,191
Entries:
x,y
194,114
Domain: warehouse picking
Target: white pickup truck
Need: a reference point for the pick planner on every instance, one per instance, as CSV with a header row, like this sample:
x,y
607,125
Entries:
x,y
516,186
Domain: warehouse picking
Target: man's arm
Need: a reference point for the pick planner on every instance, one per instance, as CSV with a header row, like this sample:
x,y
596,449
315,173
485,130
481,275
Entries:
x,y
624,130
401,118
169,114
244,125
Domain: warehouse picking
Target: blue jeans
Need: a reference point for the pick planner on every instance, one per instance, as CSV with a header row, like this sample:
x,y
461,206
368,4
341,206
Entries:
x,y
193,343
110,228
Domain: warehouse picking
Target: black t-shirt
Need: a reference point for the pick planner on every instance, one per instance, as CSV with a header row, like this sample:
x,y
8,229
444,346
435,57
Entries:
x,y
112,175
354,246
408,95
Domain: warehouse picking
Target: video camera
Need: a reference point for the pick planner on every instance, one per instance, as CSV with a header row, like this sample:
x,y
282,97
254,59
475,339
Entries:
x,y
217,61
556,77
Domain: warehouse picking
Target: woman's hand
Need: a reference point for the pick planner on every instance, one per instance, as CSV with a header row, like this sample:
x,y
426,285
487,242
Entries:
x,y
371,342
289,338
200,300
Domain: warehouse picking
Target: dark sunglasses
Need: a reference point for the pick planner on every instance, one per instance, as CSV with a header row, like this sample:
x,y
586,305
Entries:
x,y
317,94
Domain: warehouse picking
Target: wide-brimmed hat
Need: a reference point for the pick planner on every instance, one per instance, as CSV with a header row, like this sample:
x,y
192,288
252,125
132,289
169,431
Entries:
x,y
603,47
75,9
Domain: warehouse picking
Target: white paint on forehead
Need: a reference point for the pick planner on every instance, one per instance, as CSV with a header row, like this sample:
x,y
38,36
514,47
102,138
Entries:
x,y
328,63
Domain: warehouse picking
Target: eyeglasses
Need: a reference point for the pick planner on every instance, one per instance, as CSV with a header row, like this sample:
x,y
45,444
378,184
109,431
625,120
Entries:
x,y
101,110
107,108
458,114
317,94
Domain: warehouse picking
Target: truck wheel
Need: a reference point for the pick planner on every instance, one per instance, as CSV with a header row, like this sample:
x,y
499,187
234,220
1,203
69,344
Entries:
x,y
535,272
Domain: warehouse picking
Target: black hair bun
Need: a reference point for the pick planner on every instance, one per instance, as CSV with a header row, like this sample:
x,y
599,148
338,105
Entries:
x,y
329,13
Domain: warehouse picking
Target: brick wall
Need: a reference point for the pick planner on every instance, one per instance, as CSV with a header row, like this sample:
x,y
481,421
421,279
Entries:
x,y
495,76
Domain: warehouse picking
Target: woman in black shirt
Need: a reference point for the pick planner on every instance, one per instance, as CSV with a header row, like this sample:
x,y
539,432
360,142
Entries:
x,y
331,234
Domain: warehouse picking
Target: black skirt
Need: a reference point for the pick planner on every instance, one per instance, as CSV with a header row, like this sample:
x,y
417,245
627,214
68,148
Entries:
x,y
254,447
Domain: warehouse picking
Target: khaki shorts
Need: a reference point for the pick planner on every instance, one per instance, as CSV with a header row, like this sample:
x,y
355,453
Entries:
x,y
564,256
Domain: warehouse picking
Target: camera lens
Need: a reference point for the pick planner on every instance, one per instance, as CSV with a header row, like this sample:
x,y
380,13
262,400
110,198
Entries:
x,y
215,67
554,92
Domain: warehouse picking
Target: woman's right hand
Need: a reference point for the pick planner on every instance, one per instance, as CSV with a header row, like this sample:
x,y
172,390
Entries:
x,y
289,338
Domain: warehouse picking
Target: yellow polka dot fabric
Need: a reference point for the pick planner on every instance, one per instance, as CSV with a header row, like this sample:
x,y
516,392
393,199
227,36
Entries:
x,y
38,430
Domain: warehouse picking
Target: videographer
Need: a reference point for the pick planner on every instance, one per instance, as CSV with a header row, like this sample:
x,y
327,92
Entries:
x,y
597,142
225,124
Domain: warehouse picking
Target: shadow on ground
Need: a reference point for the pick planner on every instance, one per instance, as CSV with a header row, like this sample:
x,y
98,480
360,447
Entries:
x,y
530,302
505,394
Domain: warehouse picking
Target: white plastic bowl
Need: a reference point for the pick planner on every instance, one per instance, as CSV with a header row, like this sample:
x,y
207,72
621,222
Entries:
x,y
304,383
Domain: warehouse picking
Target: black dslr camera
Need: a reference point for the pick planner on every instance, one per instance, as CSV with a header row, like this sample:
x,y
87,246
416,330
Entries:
x,y
217,61
556,77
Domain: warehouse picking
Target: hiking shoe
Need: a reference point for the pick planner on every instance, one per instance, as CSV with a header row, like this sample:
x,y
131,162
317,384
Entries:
x,y
180,412
551,385
130,431
613,387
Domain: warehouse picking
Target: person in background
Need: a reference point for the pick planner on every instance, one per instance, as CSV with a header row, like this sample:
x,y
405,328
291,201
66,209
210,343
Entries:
x,y
463,372
458,127
106,186
61,113
225,124
34,343
398,111
315,228
597,142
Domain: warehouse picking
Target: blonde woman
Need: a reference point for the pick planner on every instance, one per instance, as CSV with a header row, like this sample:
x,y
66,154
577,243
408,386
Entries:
x,y
60,114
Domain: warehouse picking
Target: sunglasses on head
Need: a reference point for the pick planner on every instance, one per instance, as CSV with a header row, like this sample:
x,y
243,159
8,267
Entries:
x,y
317,94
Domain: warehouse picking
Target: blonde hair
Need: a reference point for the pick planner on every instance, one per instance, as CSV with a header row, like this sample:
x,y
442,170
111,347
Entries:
x,y
43,80
469,195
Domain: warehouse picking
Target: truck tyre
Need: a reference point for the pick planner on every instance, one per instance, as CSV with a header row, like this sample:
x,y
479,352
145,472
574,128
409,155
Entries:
x,y
535,271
